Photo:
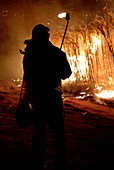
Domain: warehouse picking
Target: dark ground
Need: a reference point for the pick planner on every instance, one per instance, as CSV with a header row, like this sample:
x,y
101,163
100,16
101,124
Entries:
x,y
89,134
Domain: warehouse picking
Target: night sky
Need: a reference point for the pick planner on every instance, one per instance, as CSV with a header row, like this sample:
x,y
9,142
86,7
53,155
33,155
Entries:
x,y
18,17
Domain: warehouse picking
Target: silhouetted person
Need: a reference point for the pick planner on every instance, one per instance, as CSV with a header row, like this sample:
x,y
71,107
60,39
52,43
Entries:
x,y
45,65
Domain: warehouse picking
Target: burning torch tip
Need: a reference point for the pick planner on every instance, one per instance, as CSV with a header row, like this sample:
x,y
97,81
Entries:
x,y
64,15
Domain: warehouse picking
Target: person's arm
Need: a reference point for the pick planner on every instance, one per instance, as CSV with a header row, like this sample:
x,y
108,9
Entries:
x,y
23,85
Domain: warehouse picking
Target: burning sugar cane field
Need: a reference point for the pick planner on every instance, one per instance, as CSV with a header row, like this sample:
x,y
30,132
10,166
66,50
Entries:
x,y
88,96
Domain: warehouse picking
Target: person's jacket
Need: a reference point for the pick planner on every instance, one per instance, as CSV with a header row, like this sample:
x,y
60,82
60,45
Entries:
x,y
44,65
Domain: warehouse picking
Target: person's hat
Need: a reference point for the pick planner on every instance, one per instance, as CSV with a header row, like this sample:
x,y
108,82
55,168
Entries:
x,y
40,30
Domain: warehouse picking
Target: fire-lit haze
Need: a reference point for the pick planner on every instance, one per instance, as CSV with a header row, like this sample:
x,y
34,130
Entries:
x,y
88,42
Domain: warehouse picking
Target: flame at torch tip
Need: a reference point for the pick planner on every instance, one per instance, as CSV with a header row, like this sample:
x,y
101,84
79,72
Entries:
x,y
62,15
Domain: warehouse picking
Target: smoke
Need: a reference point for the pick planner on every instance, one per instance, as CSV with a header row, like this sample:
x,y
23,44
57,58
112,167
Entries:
x,y
17,18
87,4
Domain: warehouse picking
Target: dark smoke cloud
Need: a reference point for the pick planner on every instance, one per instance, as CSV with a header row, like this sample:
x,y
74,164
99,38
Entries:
x,y
17,18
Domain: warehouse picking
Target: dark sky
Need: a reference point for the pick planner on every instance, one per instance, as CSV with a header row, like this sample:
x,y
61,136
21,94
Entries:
x,y
17,18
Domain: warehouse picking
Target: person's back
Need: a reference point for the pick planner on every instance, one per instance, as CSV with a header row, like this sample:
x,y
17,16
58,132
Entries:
x,y
45,65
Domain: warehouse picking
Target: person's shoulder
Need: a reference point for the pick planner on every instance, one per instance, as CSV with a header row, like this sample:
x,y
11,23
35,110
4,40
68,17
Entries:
x,y
27,42
57,50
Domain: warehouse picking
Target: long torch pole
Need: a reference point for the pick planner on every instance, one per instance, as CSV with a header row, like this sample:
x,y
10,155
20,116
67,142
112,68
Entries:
x,y
67,18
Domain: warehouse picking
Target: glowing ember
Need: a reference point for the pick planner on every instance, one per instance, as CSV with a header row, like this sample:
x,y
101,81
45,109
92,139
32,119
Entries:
x,y
17,81
99,88
106,94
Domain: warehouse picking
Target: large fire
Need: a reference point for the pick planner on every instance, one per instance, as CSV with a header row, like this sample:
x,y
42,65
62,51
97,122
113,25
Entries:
x,y
86,64
90,53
